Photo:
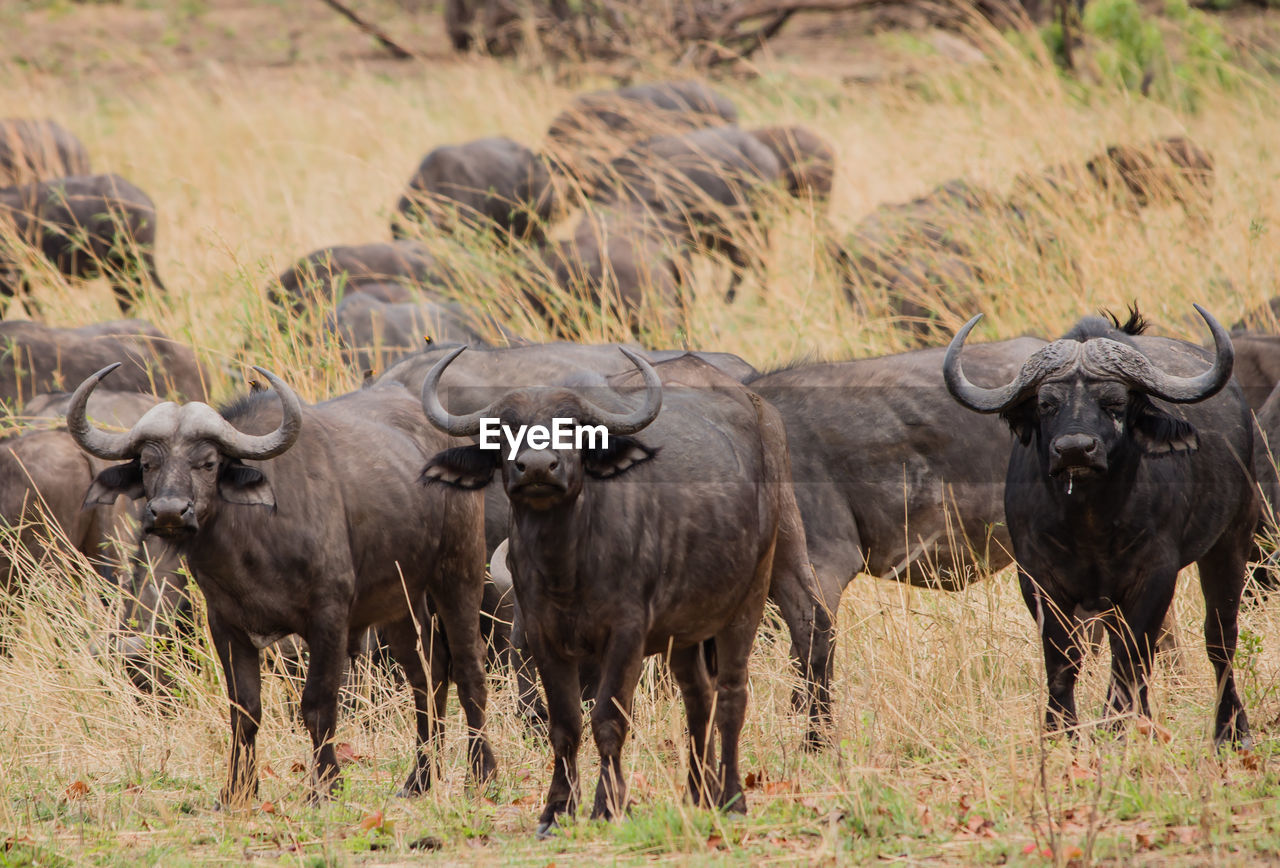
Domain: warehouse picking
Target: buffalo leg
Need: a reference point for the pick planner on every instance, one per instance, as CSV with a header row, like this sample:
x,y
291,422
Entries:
x,y
1133,644
1222,575
429,694
689,665
241,670
564,727
619,675
795,589
457,596
733,647
327,641
533,711
1062,653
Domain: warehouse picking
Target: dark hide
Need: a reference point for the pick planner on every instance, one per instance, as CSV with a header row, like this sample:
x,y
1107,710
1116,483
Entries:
x,y
39,358
808,161
397,268
494,181
34,150
86,225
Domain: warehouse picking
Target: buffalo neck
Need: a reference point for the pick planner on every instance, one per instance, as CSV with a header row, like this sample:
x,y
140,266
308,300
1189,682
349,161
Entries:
x,y
549,543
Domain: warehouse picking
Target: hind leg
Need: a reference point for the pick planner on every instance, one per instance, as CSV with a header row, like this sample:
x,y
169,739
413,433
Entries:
x,y
1222,576
689,665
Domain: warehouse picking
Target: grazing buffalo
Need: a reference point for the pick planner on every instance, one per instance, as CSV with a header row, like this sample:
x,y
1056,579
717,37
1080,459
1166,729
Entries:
x,y
391,271
34,150
1172,169
1114,486
704,185
599,126
493,181
665,543
619,262
808,161
376,334
310,520
86,226
1257,367
39,358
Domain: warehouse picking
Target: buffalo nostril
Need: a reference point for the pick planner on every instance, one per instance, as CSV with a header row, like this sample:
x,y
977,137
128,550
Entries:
x,y
554,464
520,466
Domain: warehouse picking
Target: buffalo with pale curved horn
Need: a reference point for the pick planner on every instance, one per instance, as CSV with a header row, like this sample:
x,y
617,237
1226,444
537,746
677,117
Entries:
x,y
1131,460
310,520
661,538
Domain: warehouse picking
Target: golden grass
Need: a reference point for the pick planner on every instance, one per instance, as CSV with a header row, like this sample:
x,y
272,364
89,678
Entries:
x,y
939,696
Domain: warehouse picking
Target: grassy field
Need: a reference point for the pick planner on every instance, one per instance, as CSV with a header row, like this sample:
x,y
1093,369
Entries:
x,y
938,756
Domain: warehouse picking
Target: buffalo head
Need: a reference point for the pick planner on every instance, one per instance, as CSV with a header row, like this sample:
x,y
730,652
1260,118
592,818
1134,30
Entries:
x,y
538,473
1086,399
183,459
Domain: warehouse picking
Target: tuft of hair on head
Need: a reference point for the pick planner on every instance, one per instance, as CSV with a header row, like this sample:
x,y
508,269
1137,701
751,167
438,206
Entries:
x,y
1136,324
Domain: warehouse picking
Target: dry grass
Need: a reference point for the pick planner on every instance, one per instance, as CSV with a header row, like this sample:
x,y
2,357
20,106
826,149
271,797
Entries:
x,y
938,695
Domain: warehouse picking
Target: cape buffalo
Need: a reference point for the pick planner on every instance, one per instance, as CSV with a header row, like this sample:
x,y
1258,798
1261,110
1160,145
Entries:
x,y
388,270
808,161
85,225
1257,367
376,334
36,150
704,184
496,181
660,544
40,358
598,126
310,520
1173,168
1112,488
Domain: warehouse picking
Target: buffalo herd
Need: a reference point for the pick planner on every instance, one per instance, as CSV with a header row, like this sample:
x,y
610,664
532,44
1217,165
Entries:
x,y
567,510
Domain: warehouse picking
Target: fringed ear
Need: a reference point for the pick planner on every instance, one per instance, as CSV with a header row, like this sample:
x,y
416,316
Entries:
x,y
1159,433
1022,419
468,467
244,485
622,454
116,480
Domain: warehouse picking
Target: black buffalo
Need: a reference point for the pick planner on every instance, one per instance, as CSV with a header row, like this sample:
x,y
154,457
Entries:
x,y
808,161
1131,461
598,126
86,226
34,149
310,520
494,181
664,543
390,271
39,358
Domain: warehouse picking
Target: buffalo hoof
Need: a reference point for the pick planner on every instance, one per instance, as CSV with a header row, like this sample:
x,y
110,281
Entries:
x,y
546,830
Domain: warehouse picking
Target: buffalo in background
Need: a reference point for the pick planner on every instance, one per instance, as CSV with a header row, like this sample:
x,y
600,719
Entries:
x,y
38,149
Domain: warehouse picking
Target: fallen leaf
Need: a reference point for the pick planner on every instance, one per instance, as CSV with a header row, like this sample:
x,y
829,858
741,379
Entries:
x,y
12,841
1029,849
964,805
75,790
526,799
268,771
1145,840
1250,760
1072,853
714,842
777,788
372,821
1151,729
298,767
268,807
1182,834
346,754
754,779
1078,772
981,826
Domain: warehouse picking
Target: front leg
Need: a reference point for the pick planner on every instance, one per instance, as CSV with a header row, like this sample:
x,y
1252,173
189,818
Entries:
x,y
619,675
241,670
430,694
1062,653
564,726
1134,642
327,640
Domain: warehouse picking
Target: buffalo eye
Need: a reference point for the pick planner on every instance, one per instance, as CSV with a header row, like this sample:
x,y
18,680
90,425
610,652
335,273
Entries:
x,y
1048,406
148,466
207,465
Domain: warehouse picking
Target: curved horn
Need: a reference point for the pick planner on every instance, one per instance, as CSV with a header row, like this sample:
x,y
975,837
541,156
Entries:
x,y
111,447
975,397
258,447
630,423
458,426
1188,390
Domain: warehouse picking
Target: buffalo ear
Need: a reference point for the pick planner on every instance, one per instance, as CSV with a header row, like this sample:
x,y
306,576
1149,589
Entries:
x,y
1022,419
622,454
116,480
244,485
468,467
1159,433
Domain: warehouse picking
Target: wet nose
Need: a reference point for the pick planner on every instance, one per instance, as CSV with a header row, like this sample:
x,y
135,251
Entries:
x,y
170,512
537,462
1076,446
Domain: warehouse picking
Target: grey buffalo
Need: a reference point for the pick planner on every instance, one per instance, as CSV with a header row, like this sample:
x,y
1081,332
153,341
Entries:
x,y
390,271
36,149
375,334
39,358
310,520
663,538
1132,460
488,182
86,226
808,161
